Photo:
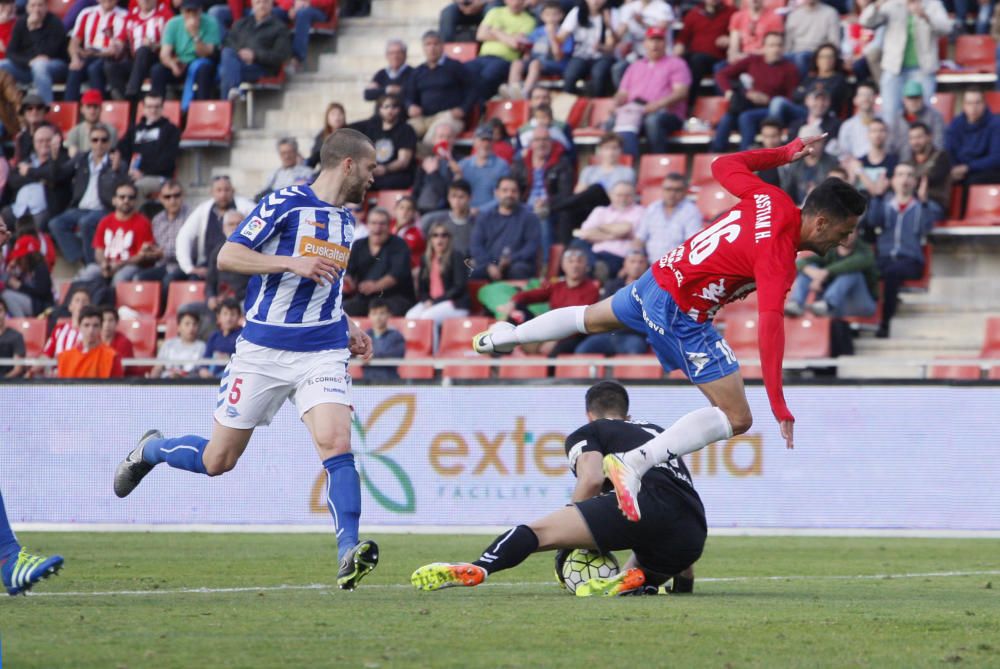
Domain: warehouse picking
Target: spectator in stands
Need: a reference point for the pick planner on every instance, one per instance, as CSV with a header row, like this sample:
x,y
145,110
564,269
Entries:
x,y
95,175
800,177
202,231
150,148
666,223
387,342
303,15
852,139
334,119
542,116
655,90
825,73
33,110
595,29
97,38
36,54
772,134
221,285
27,285
574,289
440,91
973,142
931,163
503,143
844,282
40,183
898,223
395,145
122,241
78,138
293,170
460,20
11,346
406,226
110,336
502,33
257,46
379,267
544,173
808,26
457,219
915,108
909,47
819,117
772,76
222,344
872,172
749,28
66,335
505,240
180,353
191,43
90,358
166,224
619,342
635,18
608,234
140,48
8,17
394,77
860,49
442,290
482,169
704,40
436,171
547,57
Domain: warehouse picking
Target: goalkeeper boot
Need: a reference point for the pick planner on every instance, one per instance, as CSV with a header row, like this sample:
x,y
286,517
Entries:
x,y
625,583
357,563
21,571
438,575
483,342
627,483
133,468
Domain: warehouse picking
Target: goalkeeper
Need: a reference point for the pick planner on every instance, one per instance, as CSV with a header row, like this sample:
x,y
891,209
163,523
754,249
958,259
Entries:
x,y
665,542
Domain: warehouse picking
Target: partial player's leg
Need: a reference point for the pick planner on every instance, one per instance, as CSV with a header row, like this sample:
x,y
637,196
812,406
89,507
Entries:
x,y
551,326
19,570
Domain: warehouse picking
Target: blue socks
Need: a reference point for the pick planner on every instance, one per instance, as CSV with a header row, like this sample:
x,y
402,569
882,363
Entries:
x,y
180,452
343,497
8,542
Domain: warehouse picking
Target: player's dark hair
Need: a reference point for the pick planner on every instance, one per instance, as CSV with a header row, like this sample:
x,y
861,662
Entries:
x,y
108,309
836,199
462,185
607,398
91,311
921,125
343,144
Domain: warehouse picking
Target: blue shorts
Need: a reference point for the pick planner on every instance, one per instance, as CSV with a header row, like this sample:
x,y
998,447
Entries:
x,y
678,341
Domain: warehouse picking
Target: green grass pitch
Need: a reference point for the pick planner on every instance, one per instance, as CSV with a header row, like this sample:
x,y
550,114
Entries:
x,y
127,600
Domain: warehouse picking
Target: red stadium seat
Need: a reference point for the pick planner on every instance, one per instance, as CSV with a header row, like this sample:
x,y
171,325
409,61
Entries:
x,y
539,371
650,194
180,293
955,372
637,371
456,342
143,296
713,200
577,113
944,103
654,167
513,113
171,110
807,337
701,169
578,371
994,374
463,52
976,53
63,115
710,109
33,332
209,123
991,342
386,199
142,333
982,207
115,114
597,115
60,7
419,336
993,101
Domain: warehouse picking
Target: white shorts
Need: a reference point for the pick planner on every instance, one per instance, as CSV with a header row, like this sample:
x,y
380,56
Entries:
x,y
258,380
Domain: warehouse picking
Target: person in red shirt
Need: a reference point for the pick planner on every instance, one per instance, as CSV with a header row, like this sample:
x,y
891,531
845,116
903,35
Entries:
x,y
66,334
748,29
141,40
91,358
407,226
752,246
703,41
123,240
116,340
8,17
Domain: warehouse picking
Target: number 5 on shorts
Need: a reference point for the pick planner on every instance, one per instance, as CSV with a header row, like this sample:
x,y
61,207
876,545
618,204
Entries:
x,y
235,393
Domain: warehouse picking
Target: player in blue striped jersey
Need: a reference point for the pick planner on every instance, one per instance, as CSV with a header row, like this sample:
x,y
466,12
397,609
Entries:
x,y
296,343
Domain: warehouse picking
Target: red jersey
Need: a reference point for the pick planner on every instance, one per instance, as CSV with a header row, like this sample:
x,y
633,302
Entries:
x,y
753,246
64,337
95,29
122,239
146,29
6,29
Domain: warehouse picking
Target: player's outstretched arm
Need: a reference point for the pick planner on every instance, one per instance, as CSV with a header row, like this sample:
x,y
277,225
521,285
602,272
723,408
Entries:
x,y
238,258
735,171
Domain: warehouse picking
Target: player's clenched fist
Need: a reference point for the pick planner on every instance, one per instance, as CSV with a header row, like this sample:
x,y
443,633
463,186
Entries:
x,y
320,270
360,343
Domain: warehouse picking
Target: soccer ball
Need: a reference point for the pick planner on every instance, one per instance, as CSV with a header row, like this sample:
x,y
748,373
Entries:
x,y
581,565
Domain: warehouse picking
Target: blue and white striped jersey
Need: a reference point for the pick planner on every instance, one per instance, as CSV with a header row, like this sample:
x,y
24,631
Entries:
x,y
285,311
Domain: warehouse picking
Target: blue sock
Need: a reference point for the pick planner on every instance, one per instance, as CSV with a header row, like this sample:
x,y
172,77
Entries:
x,y
8,542
343,497
180,452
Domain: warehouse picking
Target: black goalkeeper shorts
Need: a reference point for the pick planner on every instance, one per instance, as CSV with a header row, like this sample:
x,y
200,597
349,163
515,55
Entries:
x,y
668,538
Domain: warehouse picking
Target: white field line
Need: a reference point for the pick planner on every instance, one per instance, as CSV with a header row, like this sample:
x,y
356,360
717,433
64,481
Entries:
x,y
522,584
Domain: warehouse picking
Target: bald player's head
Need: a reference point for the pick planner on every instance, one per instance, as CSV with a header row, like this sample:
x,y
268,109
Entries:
x,y
342,144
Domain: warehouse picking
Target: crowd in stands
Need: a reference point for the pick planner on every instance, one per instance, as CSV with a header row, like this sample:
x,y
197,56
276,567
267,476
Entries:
x,y
461,227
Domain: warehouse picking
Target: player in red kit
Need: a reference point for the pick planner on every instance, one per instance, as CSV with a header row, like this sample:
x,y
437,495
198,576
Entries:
x,y
752,246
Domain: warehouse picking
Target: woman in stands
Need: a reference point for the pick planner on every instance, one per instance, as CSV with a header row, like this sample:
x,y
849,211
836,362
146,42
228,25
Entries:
x,y
595,30
441,282
334,120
